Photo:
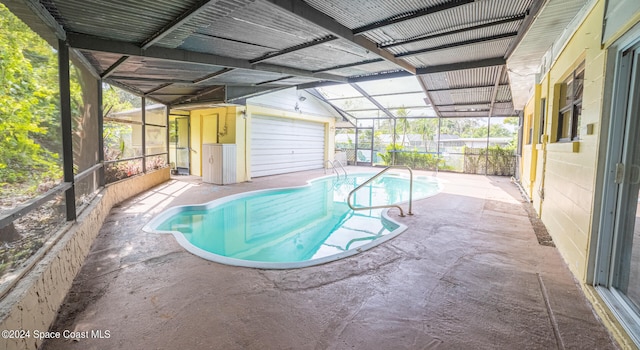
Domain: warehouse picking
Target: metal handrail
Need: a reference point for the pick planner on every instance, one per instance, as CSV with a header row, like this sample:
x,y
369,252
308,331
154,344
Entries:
x,y
341,167
388,205
333,166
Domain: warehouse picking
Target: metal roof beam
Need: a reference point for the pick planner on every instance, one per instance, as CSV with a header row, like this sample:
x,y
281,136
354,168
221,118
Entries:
x,y
467,88
239,94
349,65
494,95
429,98
176,23
185,99
170,94
312,43
213,75
458,44
411,15
456,31
132,89
157,88
373,100
273,81
489,62
315,93
114,66
94,43
321,19
151,80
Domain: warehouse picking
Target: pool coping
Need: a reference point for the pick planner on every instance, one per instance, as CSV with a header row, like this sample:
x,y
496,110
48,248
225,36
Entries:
x,y
182,240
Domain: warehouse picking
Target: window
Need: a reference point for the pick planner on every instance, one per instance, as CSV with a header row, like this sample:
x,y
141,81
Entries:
x,y
570,106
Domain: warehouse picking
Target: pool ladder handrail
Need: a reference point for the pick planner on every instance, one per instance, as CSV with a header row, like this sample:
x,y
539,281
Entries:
x,y
333,166
388,205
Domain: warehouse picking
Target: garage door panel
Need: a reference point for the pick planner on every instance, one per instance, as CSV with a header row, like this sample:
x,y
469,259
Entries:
x,y
289,142
278,159
280,145
265,154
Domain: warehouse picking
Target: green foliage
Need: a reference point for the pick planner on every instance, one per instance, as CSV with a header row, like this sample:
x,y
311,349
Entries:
x,y
29,123
412,159
501,160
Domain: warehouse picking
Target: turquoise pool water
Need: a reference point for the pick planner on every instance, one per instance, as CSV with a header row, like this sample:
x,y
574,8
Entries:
x,y
293,227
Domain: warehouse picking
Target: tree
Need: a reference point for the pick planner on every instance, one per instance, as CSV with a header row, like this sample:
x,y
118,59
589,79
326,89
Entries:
x,y
30,140
403,122
427,127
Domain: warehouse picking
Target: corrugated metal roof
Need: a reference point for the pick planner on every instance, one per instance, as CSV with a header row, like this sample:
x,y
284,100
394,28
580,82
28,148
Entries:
x,y
325,56
117,19
357,13
472,13
178,48
468,53
263,24
552,20
458,37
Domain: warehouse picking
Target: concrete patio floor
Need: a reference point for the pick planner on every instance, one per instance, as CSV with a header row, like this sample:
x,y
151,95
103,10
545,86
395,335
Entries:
x,y
467,274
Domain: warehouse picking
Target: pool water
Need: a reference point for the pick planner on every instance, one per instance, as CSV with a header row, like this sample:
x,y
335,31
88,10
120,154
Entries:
x,y
293,227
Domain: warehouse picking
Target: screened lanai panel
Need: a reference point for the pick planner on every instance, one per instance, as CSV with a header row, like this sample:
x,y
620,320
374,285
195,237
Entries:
x,y
427,112
354,104
338,91
402,85
371,114
402,100
86,131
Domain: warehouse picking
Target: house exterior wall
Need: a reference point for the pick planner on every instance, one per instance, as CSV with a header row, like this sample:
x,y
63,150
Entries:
x,y
529,148
211,125
567,186
562,179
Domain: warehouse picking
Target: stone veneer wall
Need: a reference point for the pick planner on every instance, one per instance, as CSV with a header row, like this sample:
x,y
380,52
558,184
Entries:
x,y
35,299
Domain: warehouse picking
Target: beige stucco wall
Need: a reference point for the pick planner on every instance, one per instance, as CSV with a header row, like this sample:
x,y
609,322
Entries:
x,y
34,301
210,125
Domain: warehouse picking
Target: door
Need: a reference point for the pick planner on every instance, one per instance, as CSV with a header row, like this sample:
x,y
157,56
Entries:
x,y
281,145
179,144
618,269
364,146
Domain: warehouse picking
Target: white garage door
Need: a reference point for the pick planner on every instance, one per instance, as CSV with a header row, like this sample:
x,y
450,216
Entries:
x,y
280,145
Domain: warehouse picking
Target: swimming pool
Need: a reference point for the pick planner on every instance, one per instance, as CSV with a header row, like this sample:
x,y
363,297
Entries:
x,y
293,227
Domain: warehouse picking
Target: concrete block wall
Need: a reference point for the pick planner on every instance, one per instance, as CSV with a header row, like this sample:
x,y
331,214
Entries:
x,y
34,301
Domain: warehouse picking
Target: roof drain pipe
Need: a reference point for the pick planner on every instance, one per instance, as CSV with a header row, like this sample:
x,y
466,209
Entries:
x,y
522,191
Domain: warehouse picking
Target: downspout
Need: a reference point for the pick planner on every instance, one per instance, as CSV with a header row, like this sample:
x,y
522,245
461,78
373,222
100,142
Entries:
x,y
544,141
